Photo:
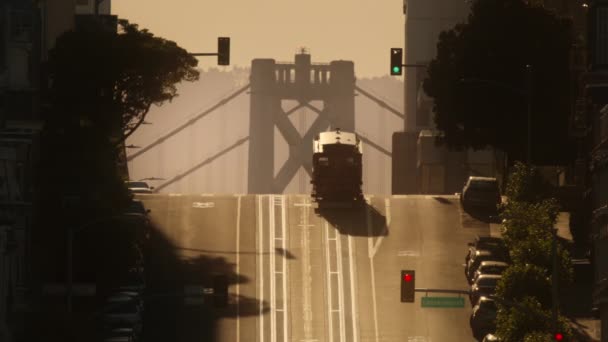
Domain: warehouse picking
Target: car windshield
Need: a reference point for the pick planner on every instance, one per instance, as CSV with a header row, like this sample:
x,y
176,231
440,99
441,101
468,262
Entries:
x,y
137,185
487,281
137,207
487,305
122,307
492,269
484,185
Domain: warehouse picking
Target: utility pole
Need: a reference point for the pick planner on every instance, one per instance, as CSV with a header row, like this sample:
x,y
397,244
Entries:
x,y
529,98
554,280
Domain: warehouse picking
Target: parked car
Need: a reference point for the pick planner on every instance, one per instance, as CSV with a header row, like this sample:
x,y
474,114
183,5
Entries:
x,y
482,193
490,338
483,318
135,281
480,256
139,187
120,334
485,285
489,267
487,243
123,307
137,207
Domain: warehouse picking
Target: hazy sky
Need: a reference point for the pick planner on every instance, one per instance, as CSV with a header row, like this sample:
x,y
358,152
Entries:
x,y
359,30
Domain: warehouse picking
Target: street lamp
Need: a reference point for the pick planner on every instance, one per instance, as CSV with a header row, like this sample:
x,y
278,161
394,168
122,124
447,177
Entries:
x,y
522,92
69,265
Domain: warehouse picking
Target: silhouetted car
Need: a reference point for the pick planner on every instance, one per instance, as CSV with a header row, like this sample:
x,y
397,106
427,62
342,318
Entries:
x,y
123,308
120,334
480,256
490,338
484,286
482,193
483,318
489,267
134,282
139,187
485,242
137,207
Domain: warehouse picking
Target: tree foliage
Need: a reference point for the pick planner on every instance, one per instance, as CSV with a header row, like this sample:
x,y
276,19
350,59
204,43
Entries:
x,y
519,281
490,51
102,84
526,184
110,80
528,321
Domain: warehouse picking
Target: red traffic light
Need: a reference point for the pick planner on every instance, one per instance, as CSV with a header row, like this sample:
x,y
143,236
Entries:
x,y
559,337
407,277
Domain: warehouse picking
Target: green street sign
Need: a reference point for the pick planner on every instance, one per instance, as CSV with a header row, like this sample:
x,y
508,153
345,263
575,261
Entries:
x,y
443,302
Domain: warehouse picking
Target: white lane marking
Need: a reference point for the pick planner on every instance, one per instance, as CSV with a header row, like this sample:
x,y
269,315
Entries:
x,y
387,206
329,273
273,298
353,295
373,277
173,195
261,264
284,242
238,268
301,204
211,195
368,217
340,285
306,277
408,253
387,213
203,205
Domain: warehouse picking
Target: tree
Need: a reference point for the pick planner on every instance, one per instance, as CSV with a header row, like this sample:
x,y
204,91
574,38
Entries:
x,y
101,86
110,80
490,51
519,281
526,184
527,321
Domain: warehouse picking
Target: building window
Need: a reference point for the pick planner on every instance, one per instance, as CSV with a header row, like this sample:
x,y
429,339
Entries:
x,y
21,26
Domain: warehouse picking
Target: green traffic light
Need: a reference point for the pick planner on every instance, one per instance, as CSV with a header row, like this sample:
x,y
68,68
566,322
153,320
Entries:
x,y
396,69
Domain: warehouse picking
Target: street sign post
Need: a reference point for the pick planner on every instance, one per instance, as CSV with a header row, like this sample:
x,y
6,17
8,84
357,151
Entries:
x,y
442,302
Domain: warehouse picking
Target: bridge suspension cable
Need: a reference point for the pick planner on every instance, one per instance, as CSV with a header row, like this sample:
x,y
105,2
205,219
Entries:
x,y
380,102
203,163
188,123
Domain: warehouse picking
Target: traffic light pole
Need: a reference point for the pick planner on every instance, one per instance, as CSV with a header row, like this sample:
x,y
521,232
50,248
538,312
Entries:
x,y
465,292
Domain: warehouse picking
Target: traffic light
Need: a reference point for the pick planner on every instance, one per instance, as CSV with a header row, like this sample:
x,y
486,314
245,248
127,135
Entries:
x,y
408,286
396,61
223,51
559,336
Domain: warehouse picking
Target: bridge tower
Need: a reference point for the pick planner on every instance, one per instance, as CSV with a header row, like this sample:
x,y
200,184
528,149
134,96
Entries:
x,y
302,81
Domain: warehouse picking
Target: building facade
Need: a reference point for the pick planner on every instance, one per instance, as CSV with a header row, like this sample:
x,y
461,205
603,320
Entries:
x,y
29,30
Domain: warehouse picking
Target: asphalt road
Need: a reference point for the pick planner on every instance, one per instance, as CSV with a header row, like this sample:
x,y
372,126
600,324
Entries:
x,y
297,275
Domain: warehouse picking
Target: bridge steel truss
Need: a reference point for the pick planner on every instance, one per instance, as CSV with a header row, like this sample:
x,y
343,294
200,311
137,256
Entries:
x,y
270,83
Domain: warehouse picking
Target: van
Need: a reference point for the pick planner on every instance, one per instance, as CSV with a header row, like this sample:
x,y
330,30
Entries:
x,y
481,193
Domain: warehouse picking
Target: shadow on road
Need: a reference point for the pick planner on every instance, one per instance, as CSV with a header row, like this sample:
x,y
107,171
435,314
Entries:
x,y
442,200
483,215
362,221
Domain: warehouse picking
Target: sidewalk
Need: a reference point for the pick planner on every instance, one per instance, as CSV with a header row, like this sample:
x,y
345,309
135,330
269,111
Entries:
x,y
587,329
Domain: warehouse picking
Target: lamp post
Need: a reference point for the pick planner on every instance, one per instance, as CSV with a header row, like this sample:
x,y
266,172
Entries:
x,y
522,92
70,239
